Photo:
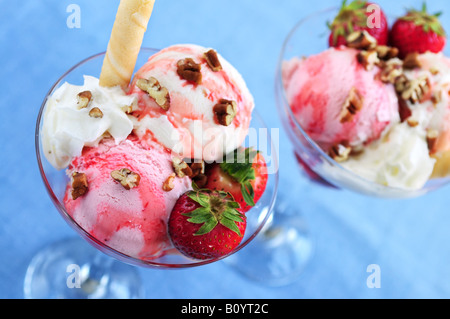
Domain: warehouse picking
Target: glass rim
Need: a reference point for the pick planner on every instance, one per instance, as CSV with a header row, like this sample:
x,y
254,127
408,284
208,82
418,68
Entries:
x,y
311,142
113,252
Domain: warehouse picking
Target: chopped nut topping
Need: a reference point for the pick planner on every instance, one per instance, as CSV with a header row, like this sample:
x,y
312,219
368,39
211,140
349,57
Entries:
x,y
213,60
368,59
411,61
434,71
352,105
155,91
386,53
200,180
189,71
225,111
401,83
168,184
84,98
127,109
391,70
340,153
436,97
79,185
106,135
126,178
361,40
432,136
197,168
415,89
181,168
412,123
96,113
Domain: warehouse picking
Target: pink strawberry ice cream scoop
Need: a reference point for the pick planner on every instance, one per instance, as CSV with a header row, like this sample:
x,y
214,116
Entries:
x,y
129,215
205,107
337,101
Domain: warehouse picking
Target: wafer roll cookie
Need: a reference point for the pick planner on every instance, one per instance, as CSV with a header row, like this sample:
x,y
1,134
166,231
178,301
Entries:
x,y
125,42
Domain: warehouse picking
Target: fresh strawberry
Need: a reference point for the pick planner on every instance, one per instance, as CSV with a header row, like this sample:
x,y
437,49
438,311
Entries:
x,y
418,32
243,175
355,17
206,224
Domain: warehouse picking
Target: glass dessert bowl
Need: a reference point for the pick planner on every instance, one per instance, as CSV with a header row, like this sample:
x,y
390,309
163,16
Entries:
x,y
56,182
287,247
309,37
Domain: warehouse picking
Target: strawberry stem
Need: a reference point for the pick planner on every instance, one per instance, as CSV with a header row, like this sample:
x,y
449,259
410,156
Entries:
x,y
429,22
242,171
349,16
217,207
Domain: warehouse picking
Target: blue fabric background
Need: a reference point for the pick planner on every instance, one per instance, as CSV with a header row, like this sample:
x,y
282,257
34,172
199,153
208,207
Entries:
x,y
408,239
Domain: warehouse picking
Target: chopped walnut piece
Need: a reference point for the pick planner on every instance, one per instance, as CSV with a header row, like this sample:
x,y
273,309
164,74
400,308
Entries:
x,y
200,180
432,136
84,98
127,109
434,71
368,59
436,97
189,70
412,123
386,53
225,111
181,168
155,91
361,40
340,152
79,185
96,113
352,105
126,178
401,83
416,89
391,70
213,60
169,183
197,168
411,61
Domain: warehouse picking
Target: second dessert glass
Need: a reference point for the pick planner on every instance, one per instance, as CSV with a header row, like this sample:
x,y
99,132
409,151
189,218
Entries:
x,y
309,37
283,253
72,269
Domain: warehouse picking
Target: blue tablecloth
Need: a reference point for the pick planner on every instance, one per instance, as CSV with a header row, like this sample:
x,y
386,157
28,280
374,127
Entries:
x,y
408,239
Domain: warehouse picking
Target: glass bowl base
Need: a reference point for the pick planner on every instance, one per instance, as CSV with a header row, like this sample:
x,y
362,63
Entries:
x,y
72,269
279,254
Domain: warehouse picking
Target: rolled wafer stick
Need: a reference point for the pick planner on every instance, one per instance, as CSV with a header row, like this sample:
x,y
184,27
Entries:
x,y
125,42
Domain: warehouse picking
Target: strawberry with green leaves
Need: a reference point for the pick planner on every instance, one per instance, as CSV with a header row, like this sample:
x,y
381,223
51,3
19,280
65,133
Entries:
x,y
355,17
243,174
206,224
418,32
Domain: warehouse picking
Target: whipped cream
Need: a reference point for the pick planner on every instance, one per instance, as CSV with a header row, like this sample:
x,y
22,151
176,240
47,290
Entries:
x,y
400,159
67,129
